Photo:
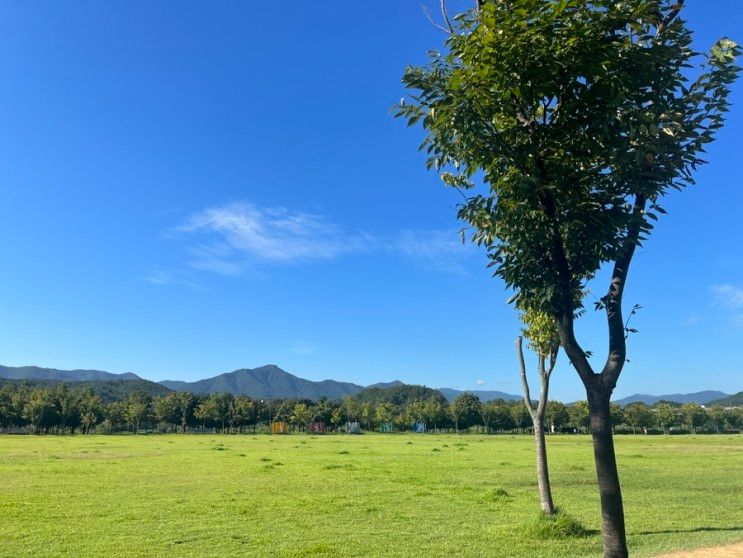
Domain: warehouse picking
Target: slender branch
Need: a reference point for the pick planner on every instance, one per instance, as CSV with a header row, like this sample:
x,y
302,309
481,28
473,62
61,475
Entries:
x,y
626,324
553,360
429,17
545,381
524,380
445,15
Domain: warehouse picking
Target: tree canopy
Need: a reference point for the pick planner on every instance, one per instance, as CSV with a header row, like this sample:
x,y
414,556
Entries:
x,y
578,117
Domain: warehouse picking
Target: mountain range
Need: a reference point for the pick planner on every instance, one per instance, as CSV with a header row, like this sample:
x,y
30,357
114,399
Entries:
x,y
37,373
271,382
735,400
701,397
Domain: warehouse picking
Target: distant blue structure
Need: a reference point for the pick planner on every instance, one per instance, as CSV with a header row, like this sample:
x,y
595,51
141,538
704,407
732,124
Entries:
x,y
419,427
387,427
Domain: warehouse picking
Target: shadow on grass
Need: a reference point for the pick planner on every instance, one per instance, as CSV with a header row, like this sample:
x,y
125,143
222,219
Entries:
x,y
695,530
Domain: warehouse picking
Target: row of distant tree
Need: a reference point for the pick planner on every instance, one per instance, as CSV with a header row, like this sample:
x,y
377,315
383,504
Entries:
x,y
62,409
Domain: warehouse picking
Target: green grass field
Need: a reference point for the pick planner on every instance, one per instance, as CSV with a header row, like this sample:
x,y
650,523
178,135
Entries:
x,y
386,495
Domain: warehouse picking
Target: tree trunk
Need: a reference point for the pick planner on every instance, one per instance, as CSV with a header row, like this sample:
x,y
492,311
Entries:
x,y
543,477
612,510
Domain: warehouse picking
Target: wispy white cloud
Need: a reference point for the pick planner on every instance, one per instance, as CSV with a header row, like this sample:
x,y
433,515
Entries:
x,y
480,382
237,238
728,295
729,299
218,258
272,234
435,249
162,277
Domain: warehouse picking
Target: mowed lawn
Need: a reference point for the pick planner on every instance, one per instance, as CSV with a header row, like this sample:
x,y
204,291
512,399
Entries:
x,y
335,495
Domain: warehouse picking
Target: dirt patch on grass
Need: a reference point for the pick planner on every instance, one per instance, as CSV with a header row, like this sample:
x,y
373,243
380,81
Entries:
x,y
727,551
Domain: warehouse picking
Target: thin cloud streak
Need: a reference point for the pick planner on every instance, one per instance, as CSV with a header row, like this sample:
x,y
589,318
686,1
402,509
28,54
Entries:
x,y
274,234
162,277
302,348
238,237
436,250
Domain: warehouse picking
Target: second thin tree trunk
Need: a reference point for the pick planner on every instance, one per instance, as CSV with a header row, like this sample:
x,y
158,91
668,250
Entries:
x,y
537,418
543,477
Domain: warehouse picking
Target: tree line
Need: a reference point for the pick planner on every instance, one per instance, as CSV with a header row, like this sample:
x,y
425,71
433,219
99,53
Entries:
x,y
63,409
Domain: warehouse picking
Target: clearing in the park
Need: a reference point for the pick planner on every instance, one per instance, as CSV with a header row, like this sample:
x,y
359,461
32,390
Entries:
x,y
370,495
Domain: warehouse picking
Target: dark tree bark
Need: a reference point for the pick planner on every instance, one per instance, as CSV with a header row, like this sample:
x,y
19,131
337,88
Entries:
x,y
599,387
612,509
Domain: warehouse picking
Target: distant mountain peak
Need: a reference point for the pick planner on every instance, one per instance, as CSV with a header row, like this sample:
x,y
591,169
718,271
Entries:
x,y
385,385
484,395
268,381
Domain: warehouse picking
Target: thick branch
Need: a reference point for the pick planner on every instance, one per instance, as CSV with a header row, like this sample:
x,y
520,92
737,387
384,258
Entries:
x,y
575,352
557,249
613,299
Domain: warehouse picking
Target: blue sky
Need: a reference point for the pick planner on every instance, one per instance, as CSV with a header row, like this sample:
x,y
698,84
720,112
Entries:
x,y
188,188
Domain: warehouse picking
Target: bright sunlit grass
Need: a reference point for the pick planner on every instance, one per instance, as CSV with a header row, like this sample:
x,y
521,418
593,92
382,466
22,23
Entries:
x,y
391,495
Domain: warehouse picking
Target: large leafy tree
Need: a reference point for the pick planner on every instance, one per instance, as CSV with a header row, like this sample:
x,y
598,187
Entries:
x,y
578,117
137,408
638,415
465,410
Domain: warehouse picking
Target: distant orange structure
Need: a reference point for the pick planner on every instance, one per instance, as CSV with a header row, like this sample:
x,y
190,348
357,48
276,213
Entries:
x,y
279,427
